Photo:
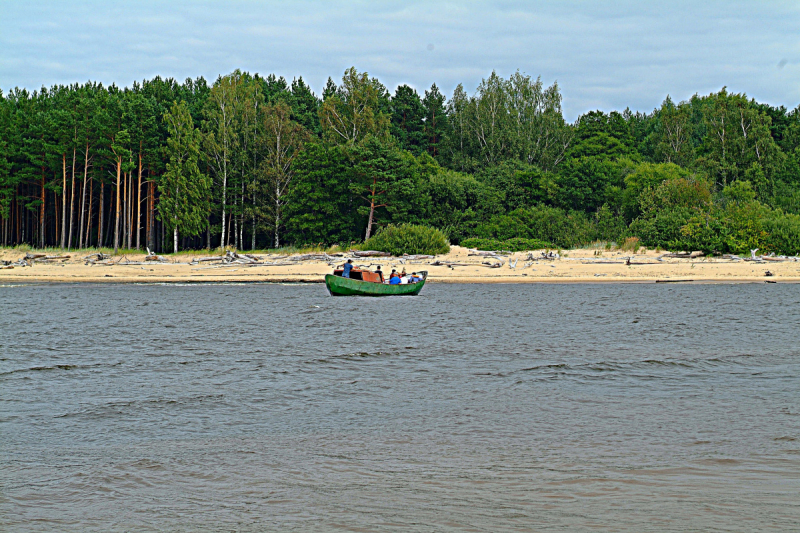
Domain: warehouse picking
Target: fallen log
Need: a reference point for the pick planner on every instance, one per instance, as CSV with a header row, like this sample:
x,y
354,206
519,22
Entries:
x,y
440,263
369,253
683,255
486,253
310,257
417,256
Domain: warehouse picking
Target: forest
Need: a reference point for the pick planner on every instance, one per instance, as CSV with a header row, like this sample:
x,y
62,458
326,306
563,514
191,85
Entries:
x,y
252,162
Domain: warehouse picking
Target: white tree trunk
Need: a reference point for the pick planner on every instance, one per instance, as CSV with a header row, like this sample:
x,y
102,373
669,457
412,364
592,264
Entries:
x,y
175,240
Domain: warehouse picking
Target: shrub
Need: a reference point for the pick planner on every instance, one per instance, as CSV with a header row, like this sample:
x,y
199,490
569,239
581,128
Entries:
x,y
408,239
631,244
517,244
783,231
565,229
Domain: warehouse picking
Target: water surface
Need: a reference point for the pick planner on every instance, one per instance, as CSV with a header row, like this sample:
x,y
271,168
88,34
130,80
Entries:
x,y
576,407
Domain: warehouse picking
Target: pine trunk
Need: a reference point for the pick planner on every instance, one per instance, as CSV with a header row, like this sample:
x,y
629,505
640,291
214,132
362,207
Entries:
x,y
64,202
369,223
41,216
83,195
100,216
130,210
88,239
72,200
139,203
116,223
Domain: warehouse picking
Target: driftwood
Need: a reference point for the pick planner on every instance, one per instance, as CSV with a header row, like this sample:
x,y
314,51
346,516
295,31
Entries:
x,y
683,255
485,253
549,256
440,263
369,253
4,267
151,256
269,264
417,256
311,257
31,258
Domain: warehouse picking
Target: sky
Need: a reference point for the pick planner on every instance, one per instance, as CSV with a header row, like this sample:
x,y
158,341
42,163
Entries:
x,y
604,55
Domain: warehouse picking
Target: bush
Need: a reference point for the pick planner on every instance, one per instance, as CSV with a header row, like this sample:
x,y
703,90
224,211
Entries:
x,y
565,229
408,239
517,244
783,230
631,244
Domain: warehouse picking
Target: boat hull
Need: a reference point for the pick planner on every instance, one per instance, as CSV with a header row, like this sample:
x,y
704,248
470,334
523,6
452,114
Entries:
x,y
339,286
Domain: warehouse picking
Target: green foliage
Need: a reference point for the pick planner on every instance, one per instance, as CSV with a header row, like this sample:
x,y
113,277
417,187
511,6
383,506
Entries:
x,y
356,109
783,233
516,244
647,176
185,190
718,172
565,229
408,239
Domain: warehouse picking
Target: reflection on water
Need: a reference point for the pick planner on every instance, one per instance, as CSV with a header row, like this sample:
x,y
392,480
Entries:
x,y
473,407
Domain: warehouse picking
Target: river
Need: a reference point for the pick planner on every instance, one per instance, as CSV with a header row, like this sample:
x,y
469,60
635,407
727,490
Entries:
x,y
485,407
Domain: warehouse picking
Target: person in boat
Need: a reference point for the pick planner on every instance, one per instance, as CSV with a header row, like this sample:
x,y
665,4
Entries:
x,y
395,278
394,274
414,278
347,268
379,273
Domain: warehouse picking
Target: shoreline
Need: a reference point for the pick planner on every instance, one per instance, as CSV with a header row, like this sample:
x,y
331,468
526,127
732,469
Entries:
x,y
459,266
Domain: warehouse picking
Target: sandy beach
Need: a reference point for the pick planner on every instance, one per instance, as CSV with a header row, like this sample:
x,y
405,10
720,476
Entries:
x,y
459,266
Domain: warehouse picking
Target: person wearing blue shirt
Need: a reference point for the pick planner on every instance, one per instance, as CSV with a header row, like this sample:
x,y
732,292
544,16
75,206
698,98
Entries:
x,y
395,280
347,268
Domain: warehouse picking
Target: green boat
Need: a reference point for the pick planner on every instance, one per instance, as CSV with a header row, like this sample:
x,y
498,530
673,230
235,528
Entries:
x,y
339,286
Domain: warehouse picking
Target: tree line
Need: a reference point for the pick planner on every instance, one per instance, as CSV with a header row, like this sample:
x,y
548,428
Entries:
x,y
258,162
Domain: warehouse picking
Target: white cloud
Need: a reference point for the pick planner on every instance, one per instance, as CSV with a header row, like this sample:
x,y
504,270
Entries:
x,y
605,55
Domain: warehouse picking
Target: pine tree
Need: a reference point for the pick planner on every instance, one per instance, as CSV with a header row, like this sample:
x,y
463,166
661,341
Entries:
x,y
408,119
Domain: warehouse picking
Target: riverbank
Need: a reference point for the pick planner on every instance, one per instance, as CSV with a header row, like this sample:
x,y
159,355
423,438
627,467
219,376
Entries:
x,y
459,266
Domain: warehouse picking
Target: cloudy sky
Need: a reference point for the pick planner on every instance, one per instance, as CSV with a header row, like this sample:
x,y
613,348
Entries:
x,y
604,55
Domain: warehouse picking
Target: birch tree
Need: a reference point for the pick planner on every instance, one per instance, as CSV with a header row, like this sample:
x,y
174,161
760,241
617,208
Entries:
x,y
354,110
220,141
184,204
281,141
